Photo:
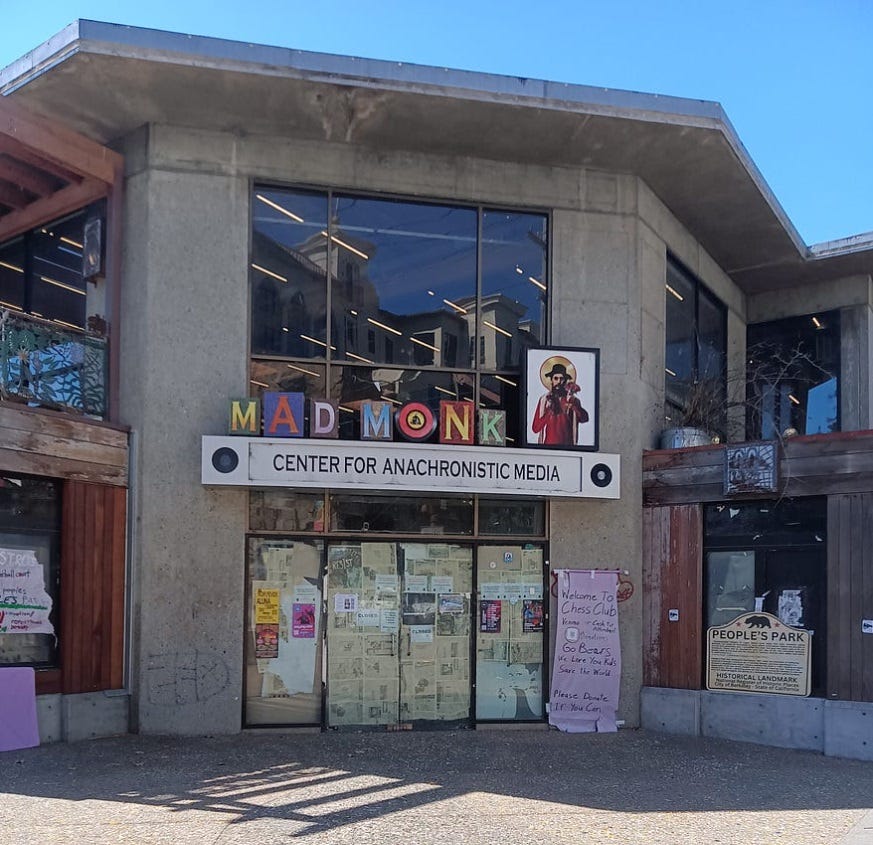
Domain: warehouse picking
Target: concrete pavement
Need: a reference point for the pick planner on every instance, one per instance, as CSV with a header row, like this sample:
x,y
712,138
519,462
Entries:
x,y
481,787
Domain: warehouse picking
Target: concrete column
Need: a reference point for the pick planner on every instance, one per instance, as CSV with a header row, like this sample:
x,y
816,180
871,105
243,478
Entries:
x,y
597,301
184,302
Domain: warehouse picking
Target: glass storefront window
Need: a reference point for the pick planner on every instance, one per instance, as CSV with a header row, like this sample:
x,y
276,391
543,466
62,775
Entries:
x,y
286,510
427,301
288,273
514,287
283,644
405,277
398,627
510,628
510,516
395,515
770,557
793,376
695,376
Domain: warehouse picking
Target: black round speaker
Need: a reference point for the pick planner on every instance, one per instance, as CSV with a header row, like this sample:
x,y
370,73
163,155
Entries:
x,y
225,459
601,475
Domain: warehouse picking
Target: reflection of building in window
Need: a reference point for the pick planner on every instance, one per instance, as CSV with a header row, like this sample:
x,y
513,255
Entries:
x,y
696,344
793,374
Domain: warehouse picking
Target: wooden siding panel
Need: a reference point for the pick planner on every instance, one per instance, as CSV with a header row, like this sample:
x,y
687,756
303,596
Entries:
x,y
672,580
59,446
92,587
828,464
850,595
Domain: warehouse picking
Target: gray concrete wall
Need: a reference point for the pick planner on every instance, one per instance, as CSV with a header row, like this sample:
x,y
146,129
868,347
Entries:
x,y
185,351
835,728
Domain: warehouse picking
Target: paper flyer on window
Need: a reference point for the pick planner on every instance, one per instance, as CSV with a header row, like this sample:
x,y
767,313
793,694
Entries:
x,y
587,664
24,603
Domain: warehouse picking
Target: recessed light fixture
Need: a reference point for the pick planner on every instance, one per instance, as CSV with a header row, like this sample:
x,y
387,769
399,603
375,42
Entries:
x,y
497,328
426,345
270,273
279,208
383,326
675,293
301,370
349,247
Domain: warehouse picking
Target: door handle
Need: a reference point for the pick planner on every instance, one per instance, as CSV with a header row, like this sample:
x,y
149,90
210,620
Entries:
x,y
409,643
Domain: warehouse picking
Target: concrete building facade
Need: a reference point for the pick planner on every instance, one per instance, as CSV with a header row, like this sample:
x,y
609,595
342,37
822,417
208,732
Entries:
x,y
629,185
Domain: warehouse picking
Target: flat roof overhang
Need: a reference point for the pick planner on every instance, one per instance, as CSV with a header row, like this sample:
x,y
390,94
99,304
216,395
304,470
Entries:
x,y
105,80
47,170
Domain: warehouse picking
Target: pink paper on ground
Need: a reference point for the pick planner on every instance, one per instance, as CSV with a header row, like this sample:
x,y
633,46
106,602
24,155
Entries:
x,y
18,726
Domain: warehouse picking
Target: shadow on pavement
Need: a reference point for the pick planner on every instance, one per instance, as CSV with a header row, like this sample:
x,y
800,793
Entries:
x,y
329,780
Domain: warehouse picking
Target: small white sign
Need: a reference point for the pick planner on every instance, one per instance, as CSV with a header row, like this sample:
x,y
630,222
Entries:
x,y
673,615
345,603
415,583
390,620
386,583
368,617
442,584
421,633
867,626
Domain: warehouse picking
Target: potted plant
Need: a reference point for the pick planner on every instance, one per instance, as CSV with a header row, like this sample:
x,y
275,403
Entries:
x,y
701,418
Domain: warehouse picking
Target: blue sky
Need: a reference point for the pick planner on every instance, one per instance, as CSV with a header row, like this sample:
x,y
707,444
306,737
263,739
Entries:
x,y
796,78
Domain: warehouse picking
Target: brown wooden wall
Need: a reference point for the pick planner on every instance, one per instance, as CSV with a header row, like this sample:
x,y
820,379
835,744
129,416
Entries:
x,y
672,579
54,445
91,623
850,597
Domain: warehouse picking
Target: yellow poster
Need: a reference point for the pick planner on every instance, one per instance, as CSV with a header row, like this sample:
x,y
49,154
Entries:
x,y
266,606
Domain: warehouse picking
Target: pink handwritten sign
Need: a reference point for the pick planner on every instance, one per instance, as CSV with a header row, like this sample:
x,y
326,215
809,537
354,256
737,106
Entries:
x,y
587,665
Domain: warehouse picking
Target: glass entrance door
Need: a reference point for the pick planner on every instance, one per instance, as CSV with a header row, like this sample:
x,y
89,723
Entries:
x,y
511,626
398,634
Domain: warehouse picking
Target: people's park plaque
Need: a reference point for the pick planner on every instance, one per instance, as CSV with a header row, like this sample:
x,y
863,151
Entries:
x,y
758,653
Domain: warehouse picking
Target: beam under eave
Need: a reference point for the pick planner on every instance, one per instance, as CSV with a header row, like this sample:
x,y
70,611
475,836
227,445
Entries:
x,y
42,211
27,177
58,144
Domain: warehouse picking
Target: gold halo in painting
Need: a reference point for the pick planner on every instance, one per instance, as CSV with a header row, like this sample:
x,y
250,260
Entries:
x,y
547,368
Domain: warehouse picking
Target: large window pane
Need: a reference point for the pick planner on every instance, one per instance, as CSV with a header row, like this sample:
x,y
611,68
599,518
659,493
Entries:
x,y
695,378
283,632
289,273
354,385
510,629
57,287
793,375
514,287
405,281
12,275
401,515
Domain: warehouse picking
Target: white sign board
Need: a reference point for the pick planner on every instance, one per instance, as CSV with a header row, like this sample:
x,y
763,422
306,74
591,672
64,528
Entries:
x,y
352,465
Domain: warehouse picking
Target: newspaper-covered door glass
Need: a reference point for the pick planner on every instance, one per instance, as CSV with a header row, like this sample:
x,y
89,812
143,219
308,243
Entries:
x,y
283,632
510,624
363,611
435,625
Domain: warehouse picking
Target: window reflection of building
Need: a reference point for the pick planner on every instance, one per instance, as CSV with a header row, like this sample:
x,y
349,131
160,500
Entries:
x,y
401,277
793,374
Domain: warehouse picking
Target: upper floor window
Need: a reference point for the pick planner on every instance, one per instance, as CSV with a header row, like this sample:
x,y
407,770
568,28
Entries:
x,y
695,359
53,332
365,298
793,375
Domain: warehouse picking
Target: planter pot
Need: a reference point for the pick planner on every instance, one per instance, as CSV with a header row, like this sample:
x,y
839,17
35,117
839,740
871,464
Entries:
x,y
682,438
